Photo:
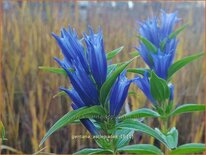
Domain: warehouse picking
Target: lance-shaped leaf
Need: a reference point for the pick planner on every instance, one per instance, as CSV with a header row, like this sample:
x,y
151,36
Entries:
x,y
159,88
84,112
186,108
141,149
94,151
181,63
144,112
110,69
138,70
148,44
123,137
189,149
140,127
53,70
113,53
102,142
175,33
172,35
106,87
134,53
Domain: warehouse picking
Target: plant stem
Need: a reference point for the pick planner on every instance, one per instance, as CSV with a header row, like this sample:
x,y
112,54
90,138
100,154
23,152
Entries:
x,y
164,125
164,128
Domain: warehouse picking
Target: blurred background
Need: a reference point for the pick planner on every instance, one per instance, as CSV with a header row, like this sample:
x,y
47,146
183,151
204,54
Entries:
x,y
29,108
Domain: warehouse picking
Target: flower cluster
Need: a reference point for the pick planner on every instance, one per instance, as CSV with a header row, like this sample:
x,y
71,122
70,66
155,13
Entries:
x,y
160,57
86,67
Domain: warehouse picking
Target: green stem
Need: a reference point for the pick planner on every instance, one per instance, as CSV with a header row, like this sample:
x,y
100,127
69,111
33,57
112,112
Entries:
x,y
164,124
164,129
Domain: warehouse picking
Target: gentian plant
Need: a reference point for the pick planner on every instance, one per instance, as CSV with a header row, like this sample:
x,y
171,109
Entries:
x,y
99,89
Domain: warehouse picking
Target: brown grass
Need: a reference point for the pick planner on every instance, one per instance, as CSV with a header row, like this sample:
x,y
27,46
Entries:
x,y
29,109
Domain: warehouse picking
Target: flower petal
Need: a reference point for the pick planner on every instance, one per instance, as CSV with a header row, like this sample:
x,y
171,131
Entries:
x,y
96,56
118,94
144,85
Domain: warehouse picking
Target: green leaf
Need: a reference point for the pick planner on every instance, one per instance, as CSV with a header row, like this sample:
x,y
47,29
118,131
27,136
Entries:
x,y
134,53
181,63
144,112
140,127
93,151
123,137
138,70
141,149
110,69
113,53
186,108
175,33
148,44
53,70
84,112
102,142
105,89
171,137
189,148
171,36
159,88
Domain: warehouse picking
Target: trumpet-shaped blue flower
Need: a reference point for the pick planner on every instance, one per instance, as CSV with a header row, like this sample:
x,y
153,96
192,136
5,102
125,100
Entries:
x,y
118,94
82,83
144,84
86,68
159,35
96,56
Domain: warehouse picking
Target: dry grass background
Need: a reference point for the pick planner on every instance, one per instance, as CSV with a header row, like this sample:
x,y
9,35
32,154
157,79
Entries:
x,y
29,109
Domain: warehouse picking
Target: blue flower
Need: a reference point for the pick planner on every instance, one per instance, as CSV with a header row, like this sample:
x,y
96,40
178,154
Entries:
x,y
158,34
82,83
96,56
118,94
86,68
144,84
72,48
